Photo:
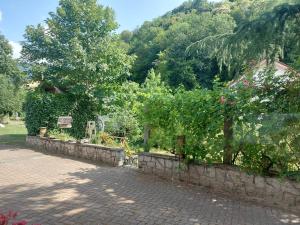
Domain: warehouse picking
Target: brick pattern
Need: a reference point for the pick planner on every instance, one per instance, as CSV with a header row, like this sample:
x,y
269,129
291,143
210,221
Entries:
x,y
283,194
95,153
54,190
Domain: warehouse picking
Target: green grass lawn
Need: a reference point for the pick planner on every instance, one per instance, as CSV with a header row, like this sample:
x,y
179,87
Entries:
x,y
14,133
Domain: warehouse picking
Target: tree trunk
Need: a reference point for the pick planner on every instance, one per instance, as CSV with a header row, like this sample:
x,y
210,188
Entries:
x,y
146,138
228,139
180,146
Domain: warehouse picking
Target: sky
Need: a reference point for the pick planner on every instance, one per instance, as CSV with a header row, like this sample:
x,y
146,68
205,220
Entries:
x,y
15,15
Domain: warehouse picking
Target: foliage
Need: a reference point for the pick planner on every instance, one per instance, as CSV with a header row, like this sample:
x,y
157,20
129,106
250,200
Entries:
x,y
123,123
75,48
125,106
267,123
61,135
162,44
195,114
76,53
267,34
265,110
8,66
11,98
43,109
11,92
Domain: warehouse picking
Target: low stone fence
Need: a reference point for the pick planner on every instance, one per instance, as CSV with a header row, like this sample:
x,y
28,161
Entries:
x,y
95,153
283,194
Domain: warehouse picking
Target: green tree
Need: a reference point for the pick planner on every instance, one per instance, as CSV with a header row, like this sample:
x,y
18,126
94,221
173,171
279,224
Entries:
x,y
270,34
11,91
76,51
75,48
162,44
195,69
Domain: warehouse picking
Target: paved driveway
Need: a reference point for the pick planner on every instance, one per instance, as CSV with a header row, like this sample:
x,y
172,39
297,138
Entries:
x,y
53,190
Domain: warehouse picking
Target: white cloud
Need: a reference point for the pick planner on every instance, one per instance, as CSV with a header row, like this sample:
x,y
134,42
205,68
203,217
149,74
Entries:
x,y
0,15
17,47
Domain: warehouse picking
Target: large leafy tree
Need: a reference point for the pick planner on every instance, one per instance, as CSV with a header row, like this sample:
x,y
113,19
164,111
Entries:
x,y
271,33
191,70
76,49
11,95
162,44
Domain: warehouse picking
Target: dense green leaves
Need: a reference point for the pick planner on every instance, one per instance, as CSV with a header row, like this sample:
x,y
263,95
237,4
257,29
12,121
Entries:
x,y
75,52
162,45
75,49
11,98
43,109
270,33
11,92
267,123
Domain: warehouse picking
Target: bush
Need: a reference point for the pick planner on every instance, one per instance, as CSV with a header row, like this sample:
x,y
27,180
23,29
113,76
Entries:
x,y
43,109
123,123
197,115
267,124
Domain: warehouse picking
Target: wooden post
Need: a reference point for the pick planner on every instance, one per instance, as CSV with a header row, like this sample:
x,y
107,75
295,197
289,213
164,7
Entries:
x,y
180,145
228,136
146,138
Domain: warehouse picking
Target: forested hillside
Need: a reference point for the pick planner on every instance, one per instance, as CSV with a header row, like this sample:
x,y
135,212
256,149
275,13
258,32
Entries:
x,y
162,43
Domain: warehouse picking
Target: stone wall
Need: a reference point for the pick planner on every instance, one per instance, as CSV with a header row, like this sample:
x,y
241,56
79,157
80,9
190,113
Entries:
x,y
283,194
95,153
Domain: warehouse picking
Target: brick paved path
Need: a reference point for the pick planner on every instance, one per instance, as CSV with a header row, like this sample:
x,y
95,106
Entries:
x,y
53,190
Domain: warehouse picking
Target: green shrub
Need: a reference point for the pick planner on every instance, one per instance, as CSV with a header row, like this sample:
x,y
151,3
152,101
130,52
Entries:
x,y
197,115
43,109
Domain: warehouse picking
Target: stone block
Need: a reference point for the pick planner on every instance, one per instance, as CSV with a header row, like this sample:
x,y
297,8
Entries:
x,y
259,182
205,181
168,173
140,158
273,187
233,177
229,186
150,164
120,162
194,180
176,165
147,158
160,164
289,199
209,172
194,173
184,176
298,201
158,172
220,175
169,163
288,187
247,179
